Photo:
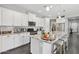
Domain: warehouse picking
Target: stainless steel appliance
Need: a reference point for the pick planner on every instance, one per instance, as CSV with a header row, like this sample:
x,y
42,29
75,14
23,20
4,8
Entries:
x,y
31,23
32,32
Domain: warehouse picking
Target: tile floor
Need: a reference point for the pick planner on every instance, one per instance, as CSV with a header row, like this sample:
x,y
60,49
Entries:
x,y
25,49
74,44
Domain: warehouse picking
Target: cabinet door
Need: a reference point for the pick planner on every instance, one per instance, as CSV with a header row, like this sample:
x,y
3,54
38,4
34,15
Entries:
x,y
0,15
47,24
10,42
18,41
38,21
4,43
41,22
7,17
25,20
7,43
35,46
31,17
46,48
21,40
17,19
16,38
24,39
0,43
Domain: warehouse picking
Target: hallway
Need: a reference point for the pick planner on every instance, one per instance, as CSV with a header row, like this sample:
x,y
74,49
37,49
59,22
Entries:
x,y
74,44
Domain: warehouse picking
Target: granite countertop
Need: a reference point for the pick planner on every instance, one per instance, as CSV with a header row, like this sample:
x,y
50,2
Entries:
x,y
58,35
14,34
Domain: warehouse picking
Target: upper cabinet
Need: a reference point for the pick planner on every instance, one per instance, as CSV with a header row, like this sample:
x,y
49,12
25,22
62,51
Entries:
x,y
0,43
47,24
20,19
41,22
13,18
32,17
7,17
60,20
24,19
0,15
17,19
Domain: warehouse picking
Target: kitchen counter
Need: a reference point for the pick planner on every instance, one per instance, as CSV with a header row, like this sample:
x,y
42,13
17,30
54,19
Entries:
x,y
40,46
58,35
14,33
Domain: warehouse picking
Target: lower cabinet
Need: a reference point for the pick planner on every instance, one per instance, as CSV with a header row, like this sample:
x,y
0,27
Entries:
x,y
0,44
40,47
35,46
8,42
21,39
17,40
47,48
25,39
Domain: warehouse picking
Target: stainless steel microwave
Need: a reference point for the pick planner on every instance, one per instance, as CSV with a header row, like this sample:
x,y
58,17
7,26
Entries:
x,y
31,23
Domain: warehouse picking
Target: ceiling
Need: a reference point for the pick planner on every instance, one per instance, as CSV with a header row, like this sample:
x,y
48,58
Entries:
x,y
69,10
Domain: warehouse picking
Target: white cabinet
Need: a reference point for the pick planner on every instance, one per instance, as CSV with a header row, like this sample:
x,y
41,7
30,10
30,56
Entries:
x,y
35,46
60,20
37,21
40,22
10,42
24,20
7,17
40,47
7,42
12,18
47,48
32,17
24,39
17,41
20,19
47,24
27,39
0,16
17,19
4,43
21,39
0,43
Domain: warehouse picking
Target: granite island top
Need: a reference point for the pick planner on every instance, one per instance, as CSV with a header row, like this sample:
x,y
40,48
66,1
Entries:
x,y
58,35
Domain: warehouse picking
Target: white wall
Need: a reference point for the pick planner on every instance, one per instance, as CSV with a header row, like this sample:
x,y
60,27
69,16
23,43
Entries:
x,y
74,27
47,25
74,24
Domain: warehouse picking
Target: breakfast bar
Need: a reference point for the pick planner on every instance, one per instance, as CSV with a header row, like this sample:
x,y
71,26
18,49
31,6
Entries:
x,y
40,46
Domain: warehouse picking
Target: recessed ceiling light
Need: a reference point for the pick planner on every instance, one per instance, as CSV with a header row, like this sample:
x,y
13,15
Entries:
x,y
51,6
47,8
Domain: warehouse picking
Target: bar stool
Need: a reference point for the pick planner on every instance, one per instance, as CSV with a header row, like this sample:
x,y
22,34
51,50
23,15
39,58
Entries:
x,y
65,40
60,46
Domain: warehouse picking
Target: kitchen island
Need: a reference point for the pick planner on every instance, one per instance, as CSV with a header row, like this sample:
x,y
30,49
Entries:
x,y
40,46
